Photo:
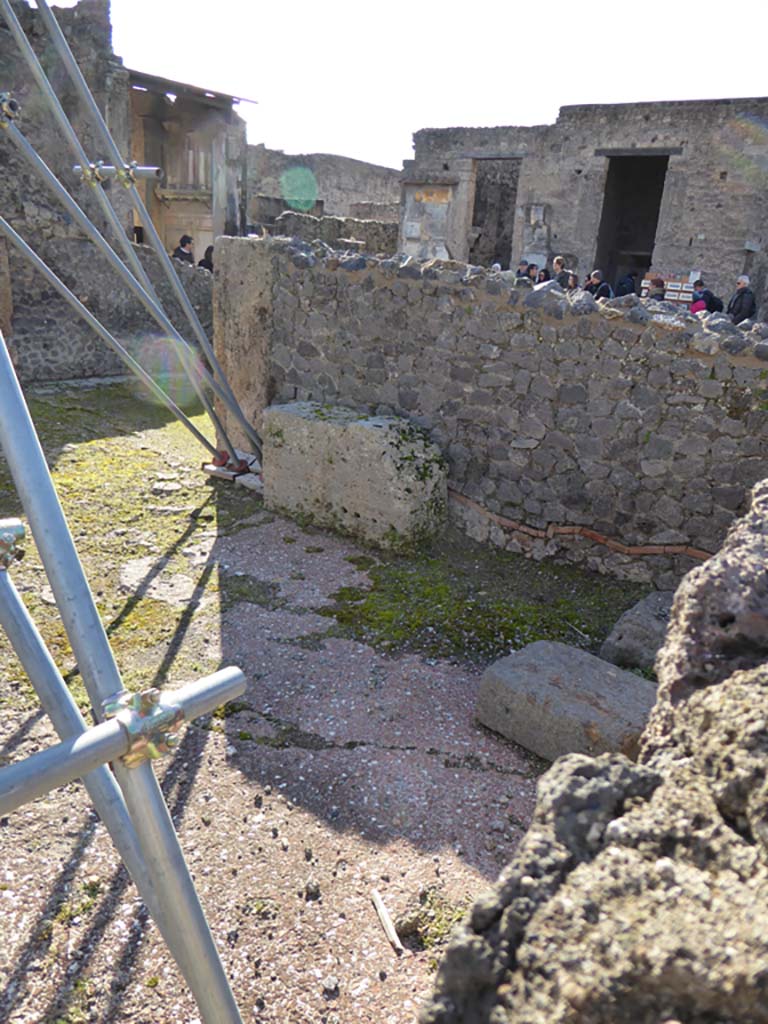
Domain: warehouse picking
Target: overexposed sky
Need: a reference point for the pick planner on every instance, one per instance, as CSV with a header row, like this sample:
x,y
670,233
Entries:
x,y
358,79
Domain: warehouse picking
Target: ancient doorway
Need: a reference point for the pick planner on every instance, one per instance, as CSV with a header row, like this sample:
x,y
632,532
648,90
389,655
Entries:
x,y
633,191
493,215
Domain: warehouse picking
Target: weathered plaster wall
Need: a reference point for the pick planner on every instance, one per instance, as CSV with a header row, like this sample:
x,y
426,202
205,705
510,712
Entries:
x,y
336,231
714,195
623,436
340,180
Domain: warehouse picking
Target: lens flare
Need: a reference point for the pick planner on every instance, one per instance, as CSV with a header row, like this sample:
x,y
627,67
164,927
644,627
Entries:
x,y
158,357
298,186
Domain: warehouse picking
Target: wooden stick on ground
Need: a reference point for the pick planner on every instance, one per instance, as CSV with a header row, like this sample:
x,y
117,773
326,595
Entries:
x,y
386,922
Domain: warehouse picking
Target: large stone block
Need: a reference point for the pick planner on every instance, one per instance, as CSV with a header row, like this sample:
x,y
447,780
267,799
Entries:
x,y
378,478
554,699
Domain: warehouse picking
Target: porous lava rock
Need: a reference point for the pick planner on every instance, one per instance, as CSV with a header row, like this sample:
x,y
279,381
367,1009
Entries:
x,y
640,893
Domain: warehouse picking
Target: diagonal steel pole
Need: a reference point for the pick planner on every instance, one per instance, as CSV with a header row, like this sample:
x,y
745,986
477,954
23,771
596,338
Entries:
x,y
60,706
74,142
103,333
62,48
187,935
192,368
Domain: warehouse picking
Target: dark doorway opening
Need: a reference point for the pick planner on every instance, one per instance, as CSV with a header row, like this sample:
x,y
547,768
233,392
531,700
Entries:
x,y
633,192
493,216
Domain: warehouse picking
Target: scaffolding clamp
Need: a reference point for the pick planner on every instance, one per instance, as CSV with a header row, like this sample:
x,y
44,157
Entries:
x,y
127,175
11,536
9,109
151,726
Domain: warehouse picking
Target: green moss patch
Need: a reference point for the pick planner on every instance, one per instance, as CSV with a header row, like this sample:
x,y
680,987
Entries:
x,y
460,600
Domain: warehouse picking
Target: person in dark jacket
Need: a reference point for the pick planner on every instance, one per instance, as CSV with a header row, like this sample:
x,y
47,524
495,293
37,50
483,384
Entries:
x,y
183,250
559,272
742,305
626,285
598,287
207,261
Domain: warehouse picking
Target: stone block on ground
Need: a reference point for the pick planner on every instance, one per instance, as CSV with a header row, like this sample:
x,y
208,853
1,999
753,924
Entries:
x,y
376,478
554,699
638,636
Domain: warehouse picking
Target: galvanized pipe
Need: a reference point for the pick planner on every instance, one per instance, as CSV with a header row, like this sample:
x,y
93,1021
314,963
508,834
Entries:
x,y
146,299
62,48
103,333
78,755
60,706
187,933
103,171
71,136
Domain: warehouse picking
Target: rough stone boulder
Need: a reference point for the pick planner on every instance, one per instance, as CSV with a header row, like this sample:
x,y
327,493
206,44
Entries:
x,y
376,478
554,699
640,893
637,637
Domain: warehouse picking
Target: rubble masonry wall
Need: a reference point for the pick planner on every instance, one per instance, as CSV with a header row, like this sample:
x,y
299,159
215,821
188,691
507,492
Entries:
x,y
623,436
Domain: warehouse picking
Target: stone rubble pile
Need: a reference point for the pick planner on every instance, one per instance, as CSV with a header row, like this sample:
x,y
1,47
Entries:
x,y
640,892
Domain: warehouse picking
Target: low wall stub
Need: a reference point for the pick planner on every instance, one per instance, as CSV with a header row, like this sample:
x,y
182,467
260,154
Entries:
x,y
376,478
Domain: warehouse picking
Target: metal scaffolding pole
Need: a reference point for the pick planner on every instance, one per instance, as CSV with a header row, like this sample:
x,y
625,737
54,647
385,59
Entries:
x,y
60,707
120,736
62,48
103,333
187,935
194,371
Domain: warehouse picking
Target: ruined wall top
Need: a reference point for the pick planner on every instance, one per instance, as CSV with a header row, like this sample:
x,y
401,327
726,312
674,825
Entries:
x,y
514,139
340,180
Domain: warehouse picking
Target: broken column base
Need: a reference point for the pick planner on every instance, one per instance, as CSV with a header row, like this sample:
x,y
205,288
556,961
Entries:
x,y
376,478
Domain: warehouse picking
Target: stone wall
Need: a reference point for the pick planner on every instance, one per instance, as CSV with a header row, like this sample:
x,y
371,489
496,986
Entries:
x,y
389,213
374,236
25,200
713,216
340,181
49,341
624,436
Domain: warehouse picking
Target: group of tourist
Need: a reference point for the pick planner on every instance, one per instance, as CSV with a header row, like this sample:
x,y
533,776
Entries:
x,y
183,251
742,305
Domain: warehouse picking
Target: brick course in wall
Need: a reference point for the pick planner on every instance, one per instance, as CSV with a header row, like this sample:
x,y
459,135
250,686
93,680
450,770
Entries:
x,y
623,436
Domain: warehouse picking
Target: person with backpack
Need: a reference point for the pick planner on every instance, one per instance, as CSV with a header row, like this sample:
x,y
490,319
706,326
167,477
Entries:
x,y
742,305
597,287
712,303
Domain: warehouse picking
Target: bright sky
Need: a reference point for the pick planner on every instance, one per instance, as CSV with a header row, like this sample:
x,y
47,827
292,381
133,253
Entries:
x,y
358,79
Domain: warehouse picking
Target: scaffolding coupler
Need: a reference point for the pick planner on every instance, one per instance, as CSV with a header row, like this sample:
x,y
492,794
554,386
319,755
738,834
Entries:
x,y
152,727
11,536
10,109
